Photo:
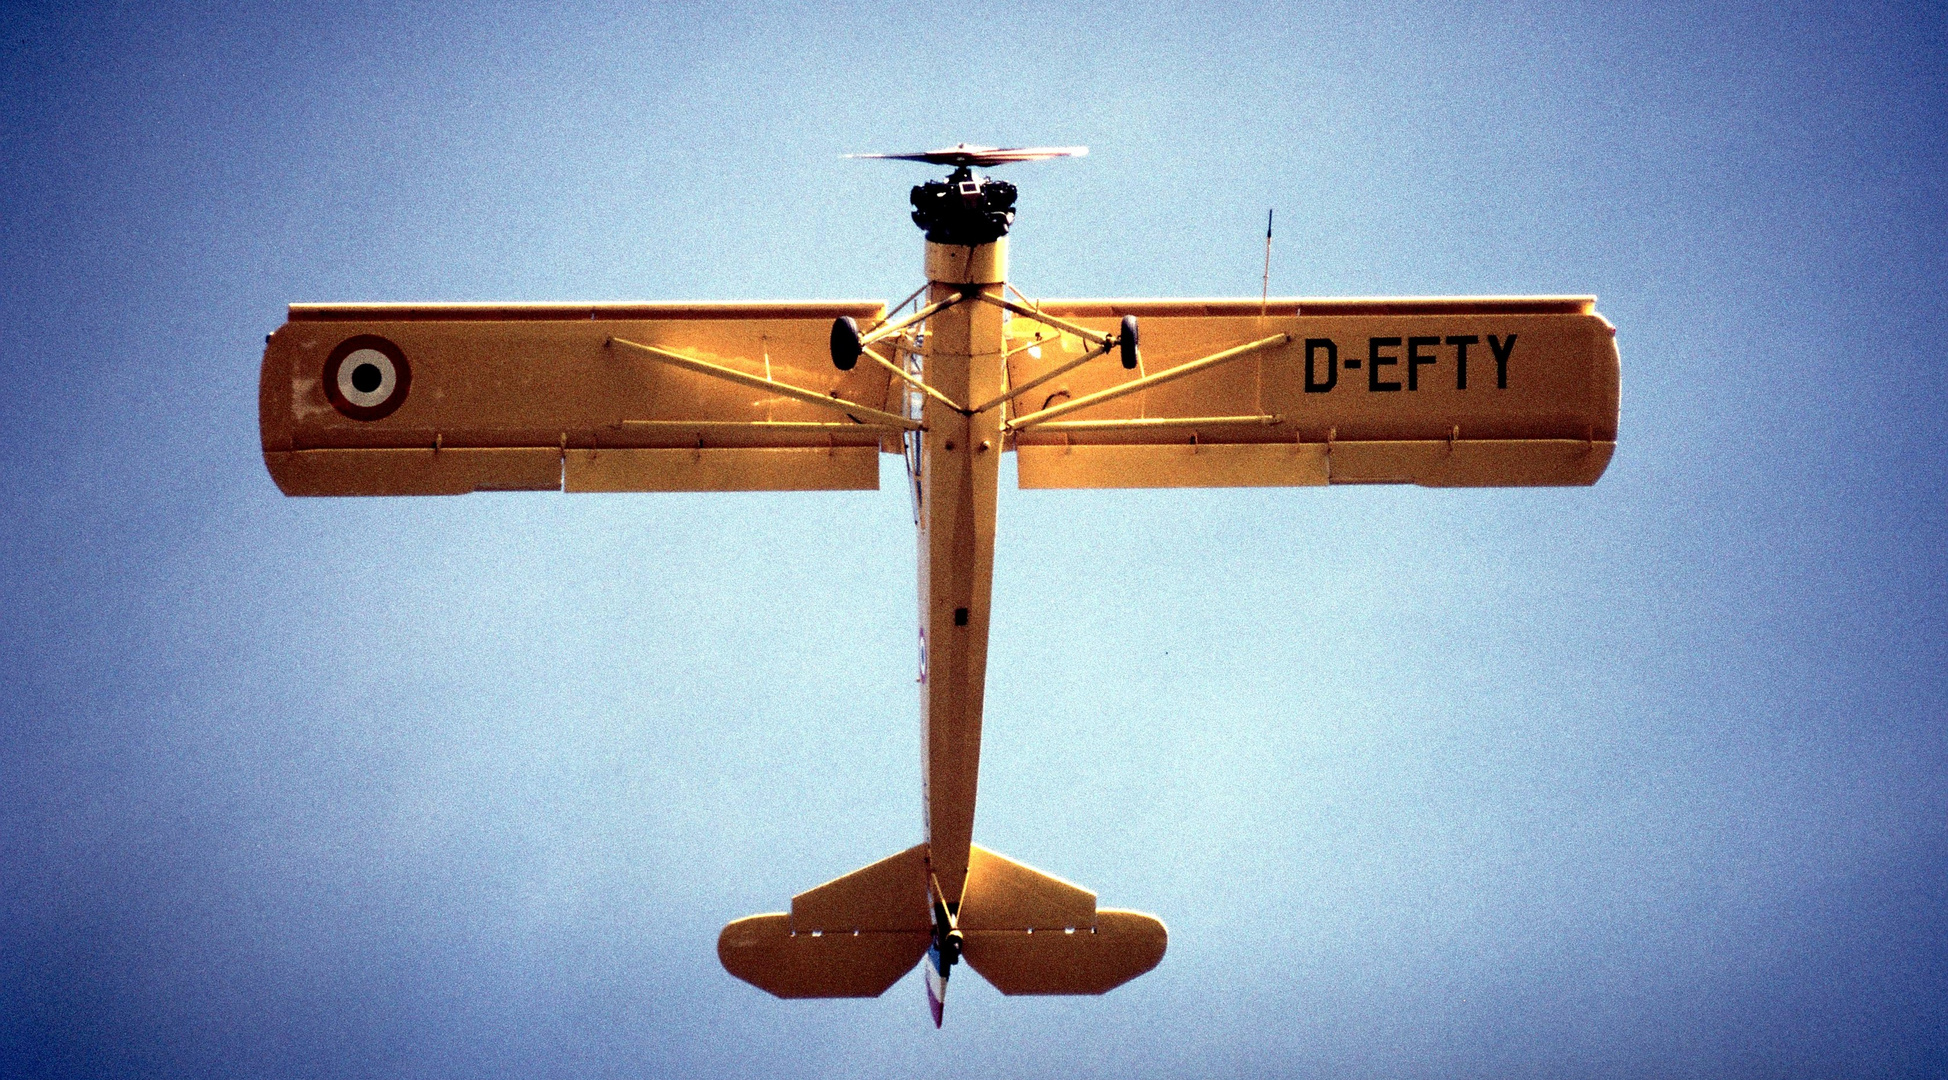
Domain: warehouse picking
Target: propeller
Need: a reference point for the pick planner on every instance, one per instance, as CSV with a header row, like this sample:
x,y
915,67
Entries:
x,y
963,155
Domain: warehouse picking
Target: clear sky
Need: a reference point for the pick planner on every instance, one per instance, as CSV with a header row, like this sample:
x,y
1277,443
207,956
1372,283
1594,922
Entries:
x,y
1643,779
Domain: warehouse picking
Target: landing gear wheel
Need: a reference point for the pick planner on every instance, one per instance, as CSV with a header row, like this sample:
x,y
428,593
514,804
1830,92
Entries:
x,y
1126,342
845,343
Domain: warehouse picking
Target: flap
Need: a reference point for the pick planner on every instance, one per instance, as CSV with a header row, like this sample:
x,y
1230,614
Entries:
x,y
1185,465
843,468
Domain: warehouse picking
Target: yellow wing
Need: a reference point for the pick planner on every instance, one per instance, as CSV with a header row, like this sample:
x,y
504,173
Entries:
x,y
404,399
1461,392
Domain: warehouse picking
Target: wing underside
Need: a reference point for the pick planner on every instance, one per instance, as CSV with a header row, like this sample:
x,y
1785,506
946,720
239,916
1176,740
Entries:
x,y
1439,392
383,399
726,397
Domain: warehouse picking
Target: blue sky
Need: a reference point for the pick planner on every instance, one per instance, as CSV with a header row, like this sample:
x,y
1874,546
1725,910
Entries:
x,y
1643,779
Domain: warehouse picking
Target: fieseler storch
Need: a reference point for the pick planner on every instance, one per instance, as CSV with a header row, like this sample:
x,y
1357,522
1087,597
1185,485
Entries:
x,y
445,399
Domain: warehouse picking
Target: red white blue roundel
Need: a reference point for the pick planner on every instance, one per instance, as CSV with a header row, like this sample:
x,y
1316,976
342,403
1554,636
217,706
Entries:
x,y
367,377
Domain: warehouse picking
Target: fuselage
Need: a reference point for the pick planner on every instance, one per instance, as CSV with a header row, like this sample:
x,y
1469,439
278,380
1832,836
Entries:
x,y
958,472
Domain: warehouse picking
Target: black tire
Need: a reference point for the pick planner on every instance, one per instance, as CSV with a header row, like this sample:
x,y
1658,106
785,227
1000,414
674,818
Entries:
x,y
1126,342
845,343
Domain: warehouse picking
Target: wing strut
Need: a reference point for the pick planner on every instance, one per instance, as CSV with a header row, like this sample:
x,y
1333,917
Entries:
x,y
1093,337
887,330
1054,373
917,384
701,426
810,397
1262,420
1145,383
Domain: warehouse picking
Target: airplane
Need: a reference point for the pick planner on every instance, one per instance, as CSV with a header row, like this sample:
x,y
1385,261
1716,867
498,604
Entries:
x,y
444,399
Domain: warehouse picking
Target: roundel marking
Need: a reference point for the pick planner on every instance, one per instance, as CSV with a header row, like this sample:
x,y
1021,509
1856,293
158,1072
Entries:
x,y
367,377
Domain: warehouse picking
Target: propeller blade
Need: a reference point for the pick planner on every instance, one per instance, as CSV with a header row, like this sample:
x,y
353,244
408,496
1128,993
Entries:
x,y
983,156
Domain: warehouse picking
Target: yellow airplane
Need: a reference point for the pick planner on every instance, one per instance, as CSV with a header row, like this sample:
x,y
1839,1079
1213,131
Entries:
x,y
444,399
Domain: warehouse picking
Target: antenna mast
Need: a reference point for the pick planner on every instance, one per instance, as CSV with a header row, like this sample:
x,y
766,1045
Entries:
x,y
1265,294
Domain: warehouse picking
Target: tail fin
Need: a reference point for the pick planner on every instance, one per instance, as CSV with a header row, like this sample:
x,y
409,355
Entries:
x,y
1032,933
1024,931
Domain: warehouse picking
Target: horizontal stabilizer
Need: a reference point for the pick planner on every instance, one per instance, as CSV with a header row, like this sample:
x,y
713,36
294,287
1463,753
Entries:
x,y
1031,933
850,937
1025,931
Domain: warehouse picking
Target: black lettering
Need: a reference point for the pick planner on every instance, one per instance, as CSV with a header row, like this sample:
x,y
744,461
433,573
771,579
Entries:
x,y
1501,352
1375,361
1312,345
1461,343
1415,361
